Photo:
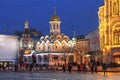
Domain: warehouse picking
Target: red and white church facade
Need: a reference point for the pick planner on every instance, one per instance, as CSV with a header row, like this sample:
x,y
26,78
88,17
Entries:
x,y
54,47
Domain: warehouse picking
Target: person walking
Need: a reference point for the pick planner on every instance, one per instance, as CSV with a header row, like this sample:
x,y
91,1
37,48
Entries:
x,y
104,68
16,68
63,67
69,68
78,68
31,68
84,68
95,67
92,67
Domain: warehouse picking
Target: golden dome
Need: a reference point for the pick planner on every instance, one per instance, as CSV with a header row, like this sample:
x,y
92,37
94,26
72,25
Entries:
x,y
54,17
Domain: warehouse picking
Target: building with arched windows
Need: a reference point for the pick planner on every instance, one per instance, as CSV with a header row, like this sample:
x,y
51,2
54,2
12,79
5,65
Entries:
x,y
109,30
55,47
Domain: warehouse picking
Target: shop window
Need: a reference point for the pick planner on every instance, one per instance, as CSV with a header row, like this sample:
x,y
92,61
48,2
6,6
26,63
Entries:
x,y
55,57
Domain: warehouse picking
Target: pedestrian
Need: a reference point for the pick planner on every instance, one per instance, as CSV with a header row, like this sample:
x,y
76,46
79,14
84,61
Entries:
x,y
63,67
81,67
31,68
95,67
78,67
69,68
104,68
84,68
16,68
92,67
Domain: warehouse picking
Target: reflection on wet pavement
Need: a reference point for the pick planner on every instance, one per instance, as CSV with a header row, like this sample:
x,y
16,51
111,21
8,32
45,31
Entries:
x,y
74,78
58,76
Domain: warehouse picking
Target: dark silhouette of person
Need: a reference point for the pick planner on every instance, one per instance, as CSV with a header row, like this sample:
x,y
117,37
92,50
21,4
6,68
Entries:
x,y
31,68
16,68
69,68
78,67
104,67
95,67
84,68
63,67
92,68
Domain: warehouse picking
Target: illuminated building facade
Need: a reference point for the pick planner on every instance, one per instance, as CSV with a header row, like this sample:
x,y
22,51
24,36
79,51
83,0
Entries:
x,y
82,47
54,47
26,42
109,30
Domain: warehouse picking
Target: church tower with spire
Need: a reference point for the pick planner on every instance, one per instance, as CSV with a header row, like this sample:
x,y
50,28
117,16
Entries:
x,y
26,33
26,42
55,24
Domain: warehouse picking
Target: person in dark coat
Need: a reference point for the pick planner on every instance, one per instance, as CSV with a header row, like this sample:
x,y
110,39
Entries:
x,y
16,68
31,68
63,67
95,67
78,67
104,67
69,68
84,68
92,68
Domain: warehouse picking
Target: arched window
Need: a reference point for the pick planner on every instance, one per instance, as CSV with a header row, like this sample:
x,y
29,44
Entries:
x,y
119,37
46,58
116,37
56,47
71,59
57,26
54,26
39,58
55,57
115,8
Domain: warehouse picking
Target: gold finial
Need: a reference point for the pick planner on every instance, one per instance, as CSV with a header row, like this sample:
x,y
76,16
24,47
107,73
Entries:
x,y
54,10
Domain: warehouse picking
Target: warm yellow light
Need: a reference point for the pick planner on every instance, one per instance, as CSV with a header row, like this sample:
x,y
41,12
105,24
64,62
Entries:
x,y
107,47
27,51
103,50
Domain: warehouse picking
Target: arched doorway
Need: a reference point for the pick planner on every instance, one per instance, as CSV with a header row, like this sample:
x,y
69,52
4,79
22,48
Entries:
x,y
46,59
71,58
39,59
116,57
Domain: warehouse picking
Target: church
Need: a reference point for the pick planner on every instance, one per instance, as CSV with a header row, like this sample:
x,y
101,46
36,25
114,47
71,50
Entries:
x,y
55,47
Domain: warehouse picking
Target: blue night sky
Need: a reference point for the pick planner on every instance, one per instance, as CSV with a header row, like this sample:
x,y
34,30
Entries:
x,y
78,15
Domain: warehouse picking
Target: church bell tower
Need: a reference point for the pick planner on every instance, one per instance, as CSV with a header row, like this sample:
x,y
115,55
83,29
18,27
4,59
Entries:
x,y
55,23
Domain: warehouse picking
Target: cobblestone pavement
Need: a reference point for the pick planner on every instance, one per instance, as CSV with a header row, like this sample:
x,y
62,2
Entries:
x,y
57,76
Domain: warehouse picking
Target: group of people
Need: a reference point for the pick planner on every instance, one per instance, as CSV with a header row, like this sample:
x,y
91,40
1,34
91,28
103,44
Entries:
x,y
81,67
92,67
69,68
